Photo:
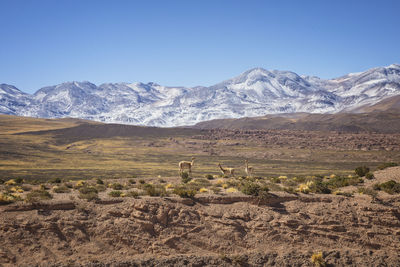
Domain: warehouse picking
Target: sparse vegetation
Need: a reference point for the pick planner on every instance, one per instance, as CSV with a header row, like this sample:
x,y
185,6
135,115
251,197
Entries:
x,y
38,195
318,260
369,176
390,187
115,193
253,189
133,194
185,192
99,181
185,177
88,192
117,186
55,181
368,191
387,165
155,191
7,198
209,177
61,189
361,171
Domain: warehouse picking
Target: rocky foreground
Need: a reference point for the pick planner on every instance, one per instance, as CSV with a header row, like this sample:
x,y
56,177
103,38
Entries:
x,y
283,230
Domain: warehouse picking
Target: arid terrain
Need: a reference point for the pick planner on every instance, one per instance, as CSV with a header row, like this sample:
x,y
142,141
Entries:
x,y
77,193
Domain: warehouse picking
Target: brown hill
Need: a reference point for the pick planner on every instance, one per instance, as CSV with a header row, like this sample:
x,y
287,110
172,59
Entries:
x,y
391,104
383,117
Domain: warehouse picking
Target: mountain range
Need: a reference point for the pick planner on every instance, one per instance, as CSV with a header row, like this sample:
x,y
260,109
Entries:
x,y
256,92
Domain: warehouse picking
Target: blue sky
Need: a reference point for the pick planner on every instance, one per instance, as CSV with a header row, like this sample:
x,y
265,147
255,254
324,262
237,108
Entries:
x,y
190,43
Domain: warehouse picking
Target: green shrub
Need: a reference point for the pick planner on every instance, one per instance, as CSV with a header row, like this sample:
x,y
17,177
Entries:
x,y
115,193
88,192
141,181
133,194
61,189
185,192
99,181
162,181
253,189
369,176
131,181
361,171
37,195
2,181
19,180
117,186
185,177
55,181
342,181
320,187
209,177
390,187
387,165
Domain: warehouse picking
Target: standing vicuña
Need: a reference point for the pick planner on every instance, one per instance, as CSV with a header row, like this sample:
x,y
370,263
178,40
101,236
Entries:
x,y
247,169
227,171
186,165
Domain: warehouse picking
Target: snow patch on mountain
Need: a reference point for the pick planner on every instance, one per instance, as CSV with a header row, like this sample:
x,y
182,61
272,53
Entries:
x,y
255,92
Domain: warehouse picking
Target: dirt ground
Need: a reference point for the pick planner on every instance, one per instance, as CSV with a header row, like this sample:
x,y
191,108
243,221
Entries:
x,y
209,230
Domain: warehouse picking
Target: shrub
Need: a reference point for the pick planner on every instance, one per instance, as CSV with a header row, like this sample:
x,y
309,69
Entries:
x,y
101,187
131,181
115,193
369,176
215,189
341,193
203,190
361,171
117,186
1,181
390,187
89,193
99,181
55,181
318,260
61,189
162,181
185,177
133,194
368,191
320,187
79,184
141,181
7,198
154,191
253,189
231,190
209,177
185,192
37,195
387,165
10,182
341,181
19,180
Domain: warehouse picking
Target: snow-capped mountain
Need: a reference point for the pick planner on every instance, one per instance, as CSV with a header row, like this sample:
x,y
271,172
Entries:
x,y
255,92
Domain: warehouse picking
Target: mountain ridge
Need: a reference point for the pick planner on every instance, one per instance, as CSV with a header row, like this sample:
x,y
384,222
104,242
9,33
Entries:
x,y
255,92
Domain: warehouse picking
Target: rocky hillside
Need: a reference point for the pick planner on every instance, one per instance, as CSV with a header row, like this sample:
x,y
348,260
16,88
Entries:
x,y
256,92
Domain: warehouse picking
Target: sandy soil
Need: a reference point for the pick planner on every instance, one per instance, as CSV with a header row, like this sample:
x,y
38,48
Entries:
x,y
210,230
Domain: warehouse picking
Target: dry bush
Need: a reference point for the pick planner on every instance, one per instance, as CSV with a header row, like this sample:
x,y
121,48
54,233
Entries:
x,y
38,195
